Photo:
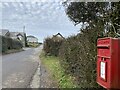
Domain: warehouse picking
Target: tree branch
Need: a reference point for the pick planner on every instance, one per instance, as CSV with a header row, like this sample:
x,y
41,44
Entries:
x,y
115,30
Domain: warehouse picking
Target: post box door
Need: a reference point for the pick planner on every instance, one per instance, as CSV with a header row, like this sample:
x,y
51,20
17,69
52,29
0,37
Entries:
x,y
103,62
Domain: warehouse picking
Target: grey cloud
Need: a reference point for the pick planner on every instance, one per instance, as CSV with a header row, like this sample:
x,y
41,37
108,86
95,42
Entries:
x,y
38,17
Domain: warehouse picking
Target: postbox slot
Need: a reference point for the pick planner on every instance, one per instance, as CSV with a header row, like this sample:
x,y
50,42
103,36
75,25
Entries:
x,y
103,56
104,52
103,46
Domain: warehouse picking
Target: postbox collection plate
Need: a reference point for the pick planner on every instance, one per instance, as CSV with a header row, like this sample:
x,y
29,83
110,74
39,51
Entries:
x,y
103,70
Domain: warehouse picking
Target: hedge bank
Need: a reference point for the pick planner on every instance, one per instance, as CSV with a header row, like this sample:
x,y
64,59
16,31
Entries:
x,y
78,58
52,45
8,44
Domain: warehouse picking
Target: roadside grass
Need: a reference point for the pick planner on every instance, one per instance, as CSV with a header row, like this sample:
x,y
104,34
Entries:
x,y
34,45
53,65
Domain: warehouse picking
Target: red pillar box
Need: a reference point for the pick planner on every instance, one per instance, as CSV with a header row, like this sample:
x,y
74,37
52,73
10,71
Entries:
x,y
108,63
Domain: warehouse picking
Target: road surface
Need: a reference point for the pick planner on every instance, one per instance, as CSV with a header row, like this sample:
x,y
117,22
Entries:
x,y
19,68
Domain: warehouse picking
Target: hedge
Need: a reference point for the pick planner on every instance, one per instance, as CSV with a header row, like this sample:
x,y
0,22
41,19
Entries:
x,y
8,43
78,58
52,45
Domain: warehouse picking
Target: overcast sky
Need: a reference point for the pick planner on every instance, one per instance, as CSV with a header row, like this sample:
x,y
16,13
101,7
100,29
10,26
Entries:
x,y
41,19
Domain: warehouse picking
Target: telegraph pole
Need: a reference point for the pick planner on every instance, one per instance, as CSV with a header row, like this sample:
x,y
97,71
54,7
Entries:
x,y
24,28
25,39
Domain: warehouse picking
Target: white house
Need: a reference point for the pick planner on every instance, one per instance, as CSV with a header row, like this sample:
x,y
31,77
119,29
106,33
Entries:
x,y
32,39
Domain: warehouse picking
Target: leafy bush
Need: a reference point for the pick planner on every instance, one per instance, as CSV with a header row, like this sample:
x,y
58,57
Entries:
x,y
52,45
78,57
8,43
16,44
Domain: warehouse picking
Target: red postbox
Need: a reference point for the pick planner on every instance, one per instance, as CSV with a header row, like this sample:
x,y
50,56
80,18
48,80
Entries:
x,y
108,63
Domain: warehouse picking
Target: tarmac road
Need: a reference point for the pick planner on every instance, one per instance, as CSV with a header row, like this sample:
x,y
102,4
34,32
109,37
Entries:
x,y
19,68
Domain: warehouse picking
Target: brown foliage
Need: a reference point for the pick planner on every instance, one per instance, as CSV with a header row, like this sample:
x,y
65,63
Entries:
x,y
52,45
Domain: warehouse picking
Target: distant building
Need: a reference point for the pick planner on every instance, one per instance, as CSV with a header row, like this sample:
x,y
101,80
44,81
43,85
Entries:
x,y
32,39
14,35
4,32
20,36
58,37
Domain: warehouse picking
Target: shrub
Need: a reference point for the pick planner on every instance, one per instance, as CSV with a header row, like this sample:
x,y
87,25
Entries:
x,y
52,45
78,57
16,44
8,43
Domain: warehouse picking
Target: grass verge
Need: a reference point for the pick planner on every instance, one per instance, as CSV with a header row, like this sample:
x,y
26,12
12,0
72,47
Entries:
x,y
53,65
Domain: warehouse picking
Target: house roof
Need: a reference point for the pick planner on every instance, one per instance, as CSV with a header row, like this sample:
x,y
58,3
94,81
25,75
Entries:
x,y
14,34
58,34
30,36
3,32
